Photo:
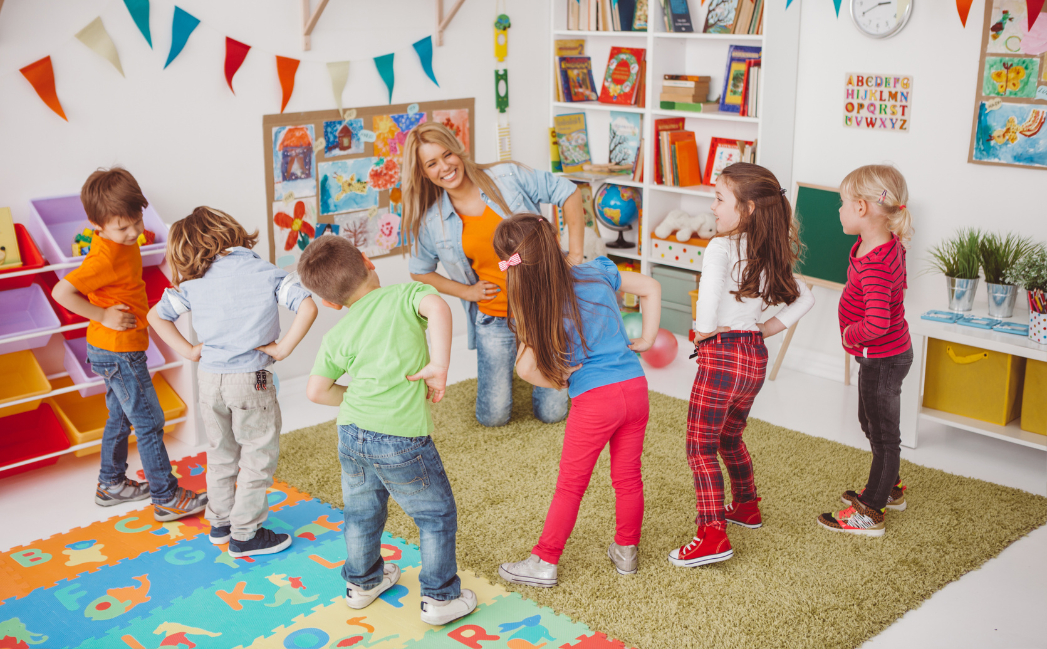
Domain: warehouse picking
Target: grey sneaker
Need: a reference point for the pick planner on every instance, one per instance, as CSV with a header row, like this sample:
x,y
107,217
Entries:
x,y
356,597
532,571
438,613
183,503
127,491
623,557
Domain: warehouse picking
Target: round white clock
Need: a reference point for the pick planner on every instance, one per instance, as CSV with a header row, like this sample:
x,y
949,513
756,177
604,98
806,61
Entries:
x,y
880,18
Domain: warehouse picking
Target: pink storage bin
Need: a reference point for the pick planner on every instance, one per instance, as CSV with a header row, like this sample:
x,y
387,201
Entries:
x,y
55,222
80,370
23,311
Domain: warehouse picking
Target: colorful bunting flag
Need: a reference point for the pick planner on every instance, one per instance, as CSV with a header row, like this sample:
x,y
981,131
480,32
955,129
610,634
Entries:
x,y
139,10
385,70
41,76
182,26
98,41
837,3
424,48
1033,8
286,69
235,53
339,71
787,3
963,7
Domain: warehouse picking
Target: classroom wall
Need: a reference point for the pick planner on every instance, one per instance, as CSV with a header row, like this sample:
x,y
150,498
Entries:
x,y
945,191
190,141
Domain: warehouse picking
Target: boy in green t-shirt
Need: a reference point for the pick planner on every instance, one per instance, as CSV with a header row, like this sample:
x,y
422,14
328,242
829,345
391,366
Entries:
x,y
384,422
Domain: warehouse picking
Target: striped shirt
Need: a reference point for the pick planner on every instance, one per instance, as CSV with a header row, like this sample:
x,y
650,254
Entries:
x,y
872,302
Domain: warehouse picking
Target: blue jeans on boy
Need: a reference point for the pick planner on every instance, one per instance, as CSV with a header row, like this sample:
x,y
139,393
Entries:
x,y
495,360
132,401
375,466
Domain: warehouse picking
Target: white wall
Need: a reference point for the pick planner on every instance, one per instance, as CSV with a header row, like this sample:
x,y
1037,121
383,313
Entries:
x,y
945,191
189,141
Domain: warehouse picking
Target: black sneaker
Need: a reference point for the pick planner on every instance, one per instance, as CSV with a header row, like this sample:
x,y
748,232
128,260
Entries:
x,y
265,541
125,492
220,534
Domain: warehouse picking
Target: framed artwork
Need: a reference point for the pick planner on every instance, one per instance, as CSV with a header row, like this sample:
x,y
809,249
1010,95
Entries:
x,y
723,152
1010,106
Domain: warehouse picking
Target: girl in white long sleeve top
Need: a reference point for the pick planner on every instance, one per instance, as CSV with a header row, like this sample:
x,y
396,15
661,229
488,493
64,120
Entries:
x,y
745,269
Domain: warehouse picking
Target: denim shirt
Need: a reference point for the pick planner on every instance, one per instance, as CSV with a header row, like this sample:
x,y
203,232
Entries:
x,y
440,237
234,309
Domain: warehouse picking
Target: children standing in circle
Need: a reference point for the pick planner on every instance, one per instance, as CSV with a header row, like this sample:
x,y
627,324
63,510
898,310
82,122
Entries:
x,y
571,333
873,328
746,268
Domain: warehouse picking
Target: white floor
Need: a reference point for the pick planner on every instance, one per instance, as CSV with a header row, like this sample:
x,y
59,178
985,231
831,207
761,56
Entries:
x,y
1000,605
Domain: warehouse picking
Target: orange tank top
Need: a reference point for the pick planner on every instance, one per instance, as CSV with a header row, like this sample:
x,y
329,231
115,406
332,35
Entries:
x,y
478,243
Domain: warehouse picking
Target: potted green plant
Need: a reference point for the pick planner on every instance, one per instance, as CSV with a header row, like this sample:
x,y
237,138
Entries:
x,y
1030,272
999,254
959,260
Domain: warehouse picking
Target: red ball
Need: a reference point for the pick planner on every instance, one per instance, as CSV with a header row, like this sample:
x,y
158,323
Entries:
x,y
663,351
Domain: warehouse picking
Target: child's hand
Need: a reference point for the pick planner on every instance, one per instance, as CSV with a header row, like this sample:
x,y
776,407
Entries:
x,y
482,291
435,378
719,330
640,344
570,371
274,350
194,352
117,318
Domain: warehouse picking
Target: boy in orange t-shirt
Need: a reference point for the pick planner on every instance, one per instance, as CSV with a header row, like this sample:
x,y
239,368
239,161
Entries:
x,y
117,338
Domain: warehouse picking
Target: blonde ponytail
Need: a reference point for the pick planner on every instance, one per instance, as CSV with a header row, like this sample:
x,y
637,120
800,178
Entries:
x,y
883,188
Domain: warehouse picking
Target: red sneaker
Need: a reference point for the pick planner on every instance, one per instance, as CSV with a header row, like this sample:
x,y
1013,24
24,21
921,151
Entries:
x,y
745,514
709,545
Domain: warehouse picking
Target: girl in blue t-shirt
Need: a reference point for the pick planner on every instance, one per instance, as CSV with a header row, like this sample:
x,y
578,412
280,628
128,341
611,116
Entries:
x,y
570,333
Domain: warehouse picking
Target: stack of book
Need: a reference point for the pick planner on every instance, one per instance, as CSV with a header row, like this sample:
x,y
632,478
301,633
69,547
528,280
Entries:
x,y
573,73
676,154
607,15
686,92
734,17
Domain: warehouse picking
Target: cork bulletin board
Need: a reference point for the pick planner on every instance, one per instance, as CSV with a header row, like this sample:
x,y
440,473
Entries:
x,y
339,174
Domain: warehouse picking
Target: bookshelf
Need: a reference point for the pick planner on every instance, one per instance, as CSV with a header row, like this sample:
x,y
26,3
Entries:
x,y
687,53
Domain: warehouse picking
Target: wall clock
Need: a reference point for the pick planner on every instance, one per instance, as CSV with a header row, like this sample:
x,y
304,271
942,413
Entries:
x,y
880,18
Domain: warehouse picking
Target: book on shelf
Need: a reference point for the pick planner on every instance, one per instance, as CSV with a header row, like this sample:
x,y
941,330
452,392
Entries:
x,y
585,190
724,152
554,153
562,48
640,16
606,23
691,107
750,88
734,76
677,16
623,75
660,126
680,159
733,17
576,79
638,163
573,139
624,138
626,15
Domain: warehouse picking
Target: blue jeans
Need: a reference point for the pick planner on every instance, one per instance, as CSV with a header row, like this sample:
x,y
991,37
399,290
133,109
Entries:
x,y
495,359
132,401
375,466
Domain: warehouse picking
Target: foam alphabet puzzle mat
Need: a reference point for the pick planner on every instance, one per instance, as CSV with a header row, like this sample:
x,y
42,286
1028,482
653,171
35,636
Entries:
x,y
130,582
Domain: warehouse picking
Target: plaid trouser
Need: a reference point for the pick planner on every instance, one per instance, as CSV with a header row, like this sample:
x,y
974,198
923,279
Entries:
x,y
730,375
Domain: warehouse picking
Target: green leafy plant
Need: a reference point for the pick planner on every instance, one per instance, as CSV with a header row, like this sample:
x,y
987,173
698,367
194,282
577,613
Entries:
x,y
959,256
1000,253
1030,272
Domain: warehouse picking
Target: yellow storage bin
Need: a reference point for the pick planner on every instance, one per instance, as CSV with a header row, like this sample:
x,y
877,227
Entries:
x,y
973,382
21,377
83,418
1034,398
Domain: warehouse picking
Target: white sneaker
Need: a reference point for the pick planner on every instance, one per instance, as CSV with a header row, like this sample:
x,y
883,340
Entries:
x,y
532,571
356,597
438,613
624,558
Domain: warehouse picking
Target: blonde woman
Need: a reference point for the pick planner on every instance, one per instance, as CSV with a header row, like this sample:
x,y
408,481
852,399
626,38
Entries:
x,y
451,209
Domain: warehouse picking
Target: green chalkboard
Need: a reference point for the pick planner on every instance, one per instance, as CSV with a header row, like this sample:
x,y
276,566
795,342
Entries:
x,y
818,211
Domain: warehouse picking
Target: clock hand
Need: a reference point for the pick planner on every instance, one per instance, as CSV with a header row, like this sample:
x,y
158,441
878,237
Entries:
x,y
875,6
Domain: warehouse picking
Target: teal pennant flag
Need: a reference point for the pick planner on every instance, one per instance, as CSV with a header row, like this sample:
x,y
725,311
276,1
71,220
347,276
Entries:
x,y
837,3
424,48
139,10
385,69
182,26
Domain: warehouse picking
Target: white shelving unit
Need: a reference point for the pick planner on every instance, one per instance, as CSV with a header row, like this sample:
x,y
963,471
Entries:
x,y
687,53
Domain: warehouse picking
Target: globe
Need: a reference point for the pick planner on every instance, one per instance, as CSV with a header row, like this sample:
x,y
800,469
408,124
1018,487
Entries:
x,y
618,208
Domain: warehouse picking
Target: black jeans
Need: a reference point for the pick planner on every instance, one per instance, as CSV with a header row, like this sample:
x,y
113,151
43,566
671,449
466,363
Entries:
x,y
879,412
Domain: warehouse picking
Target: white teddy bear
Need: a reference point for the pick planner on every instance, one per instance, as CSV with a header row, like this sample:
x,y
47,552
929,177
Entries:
x,y
686,225
592,246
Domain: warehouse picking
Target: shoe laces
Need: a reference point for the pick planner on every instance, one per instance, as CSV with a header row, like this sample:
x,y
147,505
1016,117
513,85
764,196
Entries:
x,y
695,542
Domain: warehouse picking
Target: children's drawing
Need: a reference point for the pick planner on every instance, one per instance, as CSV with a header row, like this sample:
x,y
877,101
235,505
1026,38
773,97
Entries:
x,y
1011,133
294,167
458,121
391,132
343,138
344,186
1010,76
374,235
396,201
1008,27
388,236
294,224
385,173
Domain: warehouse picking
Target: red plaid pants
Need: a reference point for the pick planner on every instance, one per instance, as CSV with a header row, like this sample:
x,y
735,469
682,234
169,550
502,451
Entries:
x,y
730,375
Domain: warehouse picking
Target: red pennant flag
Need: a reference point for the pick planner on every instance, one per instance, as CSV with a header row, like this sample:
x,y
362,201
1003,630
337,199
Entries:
x,y
235,53
1033,8
964,8
286,69
42,77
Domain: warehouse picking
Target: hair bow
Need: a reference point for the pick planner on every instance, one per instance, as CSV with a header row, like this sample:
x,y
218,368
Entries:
x,y
512,261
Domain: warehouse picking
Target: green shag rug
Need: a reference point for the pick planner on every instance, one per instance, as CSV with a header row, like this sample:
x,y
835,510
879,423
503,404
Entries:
x,y
790,583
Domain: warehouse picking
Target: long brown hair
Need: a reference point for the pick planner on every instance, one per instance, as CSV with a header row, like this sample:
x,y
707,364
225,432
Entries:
x,y
195,241
772,245
540,292
419,193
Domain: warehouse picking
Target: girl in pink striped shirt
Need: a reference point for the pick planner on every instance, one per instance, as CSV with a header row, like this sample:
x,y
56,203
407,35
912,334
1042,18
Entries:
x,y
873,329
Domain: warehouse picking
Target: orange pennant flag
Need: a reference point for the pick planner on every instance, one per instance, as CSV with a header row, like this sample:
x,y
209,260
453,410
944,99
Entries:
x,y
286,69
42,77
964,7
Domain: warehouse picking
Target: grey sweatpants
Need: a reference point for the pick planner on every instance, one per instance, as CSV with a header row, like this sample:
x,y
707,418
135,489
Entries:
x,y
243,434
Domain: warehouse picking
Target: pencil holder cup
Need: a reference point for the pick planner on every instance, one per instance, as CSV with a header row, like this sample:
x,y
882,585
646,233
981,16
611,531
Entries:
x,y
1038,327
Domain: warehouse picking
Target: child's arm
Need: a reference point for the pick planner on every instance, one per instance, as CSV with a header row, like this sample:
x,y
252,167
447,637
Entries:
x,y
303,320
169,333
527,368
789,314
876,291
324,391
115,317
650,293
715,268
435,310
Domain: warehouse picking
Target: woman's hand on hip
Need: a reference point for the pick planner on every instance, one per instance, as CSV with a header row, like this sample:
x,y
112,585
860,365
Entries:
x,y
481,291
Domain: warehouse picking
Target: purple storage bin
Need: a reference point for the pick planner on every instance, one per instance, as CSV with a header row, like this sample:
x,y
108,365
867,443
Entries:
x,y
55,222
22,311
80,370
